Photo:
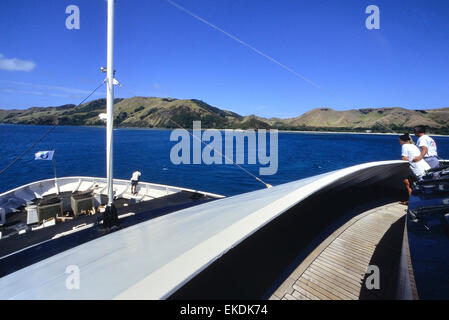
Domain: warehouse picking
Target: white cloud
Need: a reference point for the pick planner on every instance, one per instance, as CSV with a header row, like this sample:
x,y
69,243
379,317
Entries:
x,y
45,90
14,64
78,92
37,93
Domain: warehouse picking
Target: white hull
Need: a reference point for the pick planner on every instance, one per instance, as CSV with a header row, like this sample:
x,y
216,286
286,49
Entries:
x,y
155,258
17,197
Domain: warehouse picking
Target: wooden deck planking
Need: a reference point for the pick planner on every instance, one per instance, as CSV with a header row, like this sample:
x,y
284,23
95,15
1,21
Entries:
x,y
342,282
338,279
347,247
336,268
359,257
340,273
299,296
336,287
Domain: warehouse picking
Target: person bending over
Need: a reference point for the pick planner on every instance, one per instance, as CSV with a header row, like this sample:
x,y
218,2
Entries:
x,y
428,148
134,181
409,153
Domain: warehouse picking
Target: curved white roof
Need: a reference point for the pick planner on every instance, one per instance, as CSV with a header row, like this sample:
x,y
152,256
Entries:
x,y
153,259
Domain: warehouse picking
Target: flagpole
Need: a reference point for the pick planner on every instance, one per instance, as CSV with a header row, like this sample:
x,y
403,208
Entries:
x,y
54,168
110,102
110,216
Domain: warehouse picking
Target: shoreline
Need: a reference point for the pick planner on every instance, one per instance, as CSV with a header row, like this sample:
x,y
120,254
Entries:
x,y
226,129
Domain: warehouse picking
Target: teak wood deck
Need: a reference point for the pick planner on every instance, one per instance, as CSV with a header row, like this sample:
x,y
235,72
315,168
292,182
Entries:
x,y
335,270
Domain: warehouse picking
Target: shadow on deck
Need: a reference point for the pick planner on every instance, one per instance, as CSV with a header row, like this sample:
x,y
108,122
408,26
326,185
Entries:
x,y
260,264
387,257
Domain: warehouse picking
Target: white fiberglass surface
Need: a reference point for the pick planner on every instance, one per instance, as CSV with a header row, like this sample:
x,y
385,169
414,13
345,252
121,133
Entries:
x,y
152,259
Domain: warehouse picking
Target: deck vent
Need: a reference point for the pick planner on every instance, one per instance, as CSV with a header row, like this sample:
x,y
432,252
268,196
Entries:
x,y
82,202
49,208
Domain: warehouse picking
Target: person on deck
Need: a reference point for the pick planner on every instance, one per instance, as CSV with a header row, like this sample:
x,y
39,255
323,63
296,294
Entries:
x,y
134,181
428,148
409,153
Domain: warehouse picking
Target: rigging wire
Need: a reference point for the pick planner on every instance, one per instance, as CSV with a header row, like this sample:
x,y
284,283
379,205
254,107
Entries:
x,y
209,146
266,56
44,135
221,154
385,126
174,4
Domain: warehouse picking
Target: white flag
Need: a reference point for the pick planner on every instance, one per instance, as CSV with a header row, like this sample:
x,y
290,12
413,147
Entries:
x,y
44,155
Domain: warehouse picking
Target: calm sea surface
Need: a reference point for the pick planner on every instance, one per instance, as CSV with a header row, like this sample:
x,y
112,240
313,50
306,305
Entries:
x,y
81,151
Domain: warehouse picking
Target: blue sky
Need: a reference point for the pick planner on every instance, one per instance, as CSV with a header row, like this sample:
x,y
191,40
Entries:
x,y
162,51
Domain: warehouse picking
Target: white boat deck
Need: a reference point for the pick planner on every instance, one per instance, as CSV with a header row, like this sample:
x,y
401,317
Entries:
x,y
153,259
11,200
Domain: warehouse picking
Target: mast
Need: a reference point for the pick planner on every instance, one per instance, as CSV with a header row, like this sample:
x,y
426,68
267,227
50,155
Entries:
x,y
110,216
110,102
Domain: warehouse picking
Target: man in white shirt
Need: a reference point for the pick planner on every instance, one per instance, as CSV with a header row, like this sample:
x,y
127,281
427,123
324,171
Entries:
x,y
409,153
428,148
134,181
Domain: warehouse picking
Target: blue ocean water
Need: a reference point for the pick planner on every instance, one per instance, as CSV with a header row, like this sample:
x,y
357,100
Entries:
x,y
81,151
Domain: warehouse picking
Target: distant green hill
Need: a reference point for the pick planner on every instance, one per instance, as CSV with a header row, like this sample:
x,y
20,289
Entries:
x,y
152,112
149,112
374,119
